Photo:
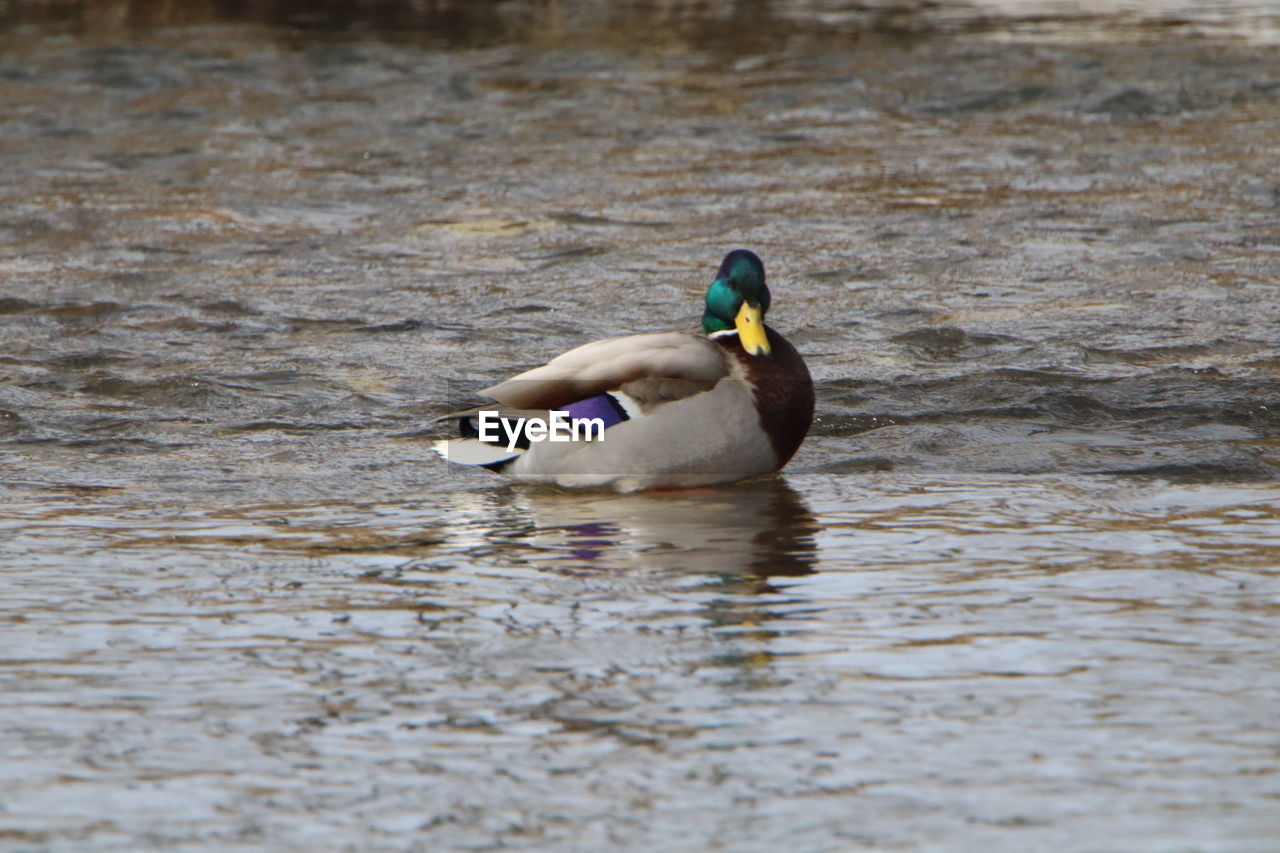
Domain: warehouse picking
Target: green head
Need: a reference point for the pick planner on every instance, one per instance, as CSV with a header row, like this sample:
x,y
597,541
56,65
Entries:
x,y
737,301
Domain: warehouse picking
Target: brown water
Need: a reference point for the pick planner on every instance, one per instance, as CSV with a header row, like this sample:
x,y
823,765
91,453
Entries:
x,y
1017,592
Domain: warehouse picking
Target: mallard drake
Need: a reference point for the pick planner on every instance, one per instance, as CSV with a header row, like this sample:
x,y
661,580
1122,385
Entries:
x,y
663,410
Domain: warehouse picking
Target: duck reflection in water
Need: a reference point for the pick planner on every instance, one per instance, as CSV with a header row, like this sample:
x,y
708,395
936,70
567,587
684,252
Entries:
x,y
757,529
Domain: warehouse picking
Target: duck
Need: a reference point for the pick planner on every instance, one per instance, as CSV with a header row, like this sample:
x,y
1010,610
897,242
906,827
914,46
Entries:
x,y
661,410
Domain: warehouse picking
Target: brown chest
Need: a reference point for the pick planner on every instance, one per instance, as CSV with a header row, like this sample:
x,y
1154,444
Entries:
x,y
782,388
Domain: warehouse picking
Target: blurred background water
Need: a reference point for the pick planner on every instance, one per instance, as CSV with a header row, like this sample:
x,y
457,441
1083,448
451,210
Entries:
x,y
1016,592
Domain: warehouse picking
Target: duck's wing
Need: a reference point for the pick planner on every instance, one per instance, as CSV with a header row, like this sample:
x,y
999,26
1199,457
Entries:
x,y
661,366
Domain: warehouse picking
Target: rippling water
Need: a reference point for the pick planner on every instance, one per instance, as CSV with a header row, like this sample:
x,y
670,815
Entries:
x,y
1016,591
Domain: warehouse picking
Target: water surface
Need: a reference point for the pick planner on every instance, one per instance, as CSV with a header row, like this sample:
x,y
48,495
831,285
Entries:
x,y
1015,592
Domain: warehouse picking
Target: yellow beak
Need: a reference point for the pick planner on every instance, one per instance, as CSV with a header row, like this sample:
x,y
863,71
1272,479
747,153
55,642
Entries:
x,y
751,334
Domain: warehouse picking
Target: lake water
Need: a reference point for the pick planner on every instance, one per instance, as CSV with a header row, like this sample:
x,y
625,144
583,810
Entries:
x,y
1017,591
